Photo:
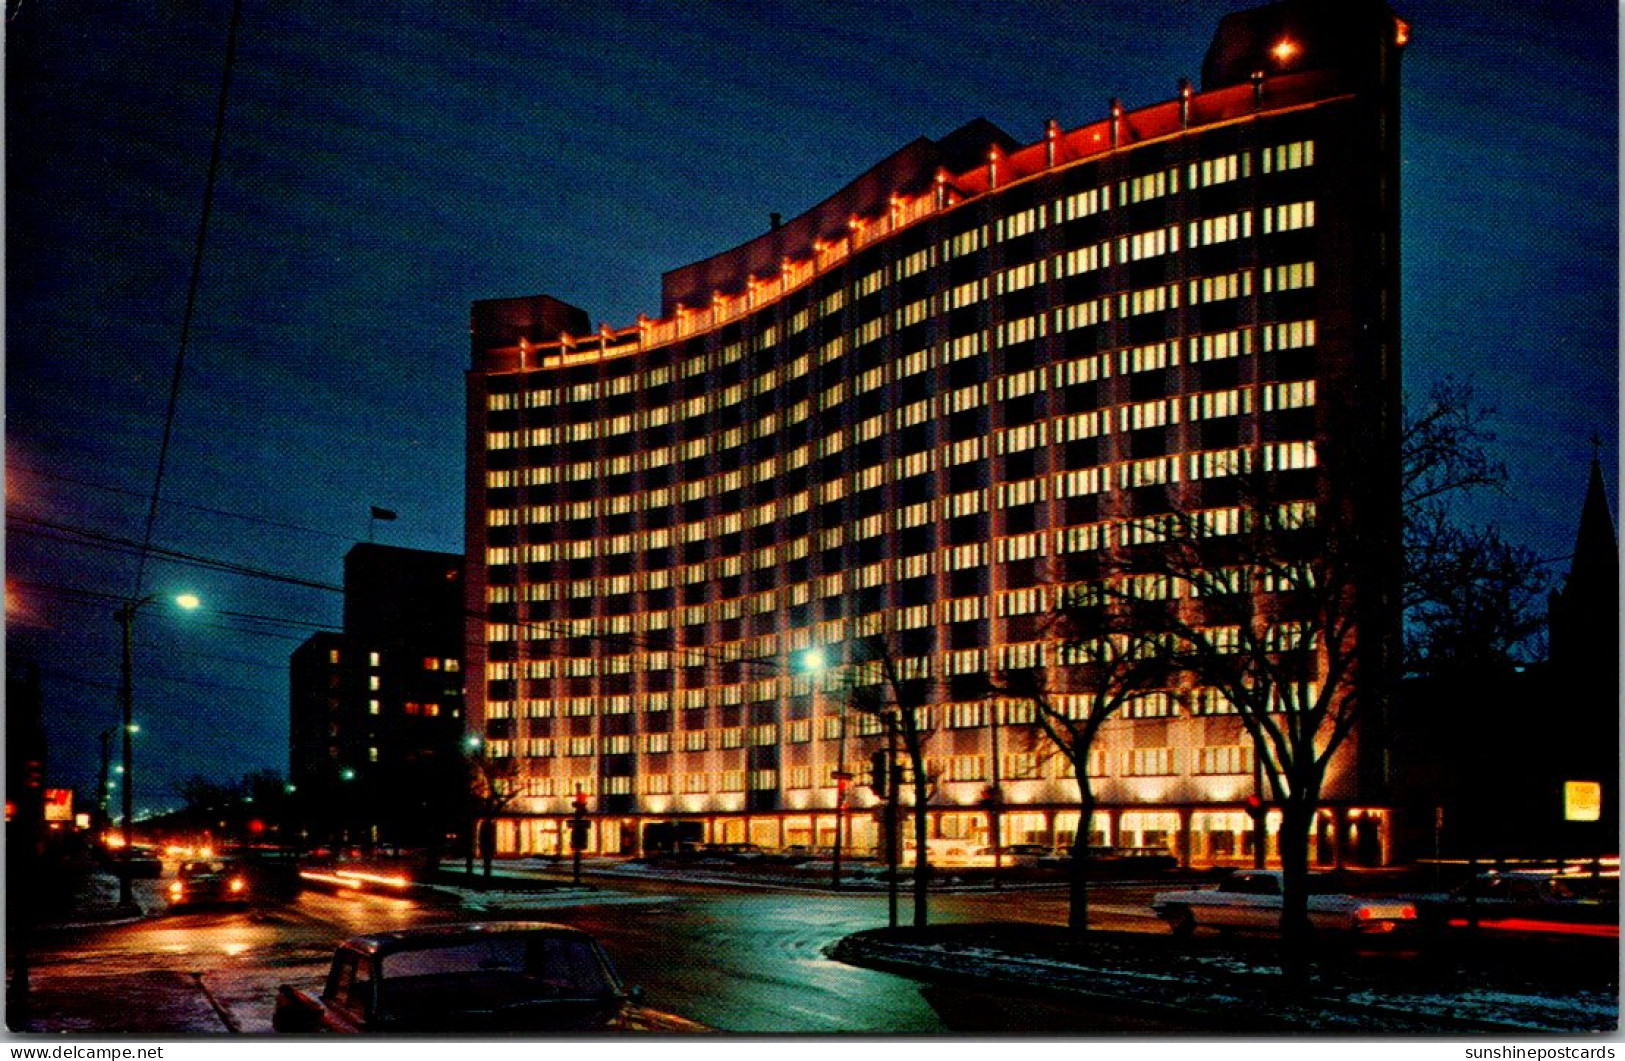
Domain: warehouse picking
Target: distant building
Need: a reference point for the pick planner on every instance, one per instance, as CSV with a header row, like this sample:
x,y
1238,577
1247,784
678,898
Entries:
x,y
958,379
376,712
1584,675
1485,772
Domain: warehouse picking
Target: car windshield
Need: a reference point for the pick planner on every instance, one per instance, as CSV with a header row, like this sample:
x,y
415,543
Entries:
x,y
560,964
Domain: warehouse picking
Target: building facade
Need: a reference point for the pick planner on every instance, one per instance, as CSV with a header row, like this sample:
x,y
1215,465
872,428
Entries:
x,y
910,410
376,714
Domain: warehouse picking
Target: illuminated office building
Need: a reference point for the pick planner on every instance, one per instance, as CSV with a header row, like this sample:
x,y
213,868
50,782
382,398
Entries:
x,y
375,719
905,410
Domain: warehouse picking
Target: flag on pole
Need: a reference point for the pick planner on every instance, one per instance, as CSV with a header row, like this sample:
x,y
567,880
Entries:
x,y
382,513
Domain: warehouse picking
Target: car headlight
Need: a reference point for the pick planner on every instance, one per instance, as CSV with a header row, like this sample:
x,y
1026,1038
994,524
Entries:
x,y
236,884
176,890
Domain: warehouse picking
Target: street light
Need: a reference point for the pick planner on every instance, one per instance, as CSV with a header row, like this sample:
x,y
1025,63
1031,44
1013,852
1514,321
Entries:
x,y
125,617
813,661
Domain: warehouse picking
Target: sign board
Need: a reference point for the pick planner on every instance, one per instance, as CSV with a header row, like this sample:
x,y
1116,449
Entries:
x,y
1582,801
59,804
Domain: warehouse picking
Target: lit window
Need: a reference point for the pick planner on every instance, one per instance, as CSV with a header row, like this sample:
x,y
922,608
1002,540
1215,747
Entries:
x,y
1150,762
1225,759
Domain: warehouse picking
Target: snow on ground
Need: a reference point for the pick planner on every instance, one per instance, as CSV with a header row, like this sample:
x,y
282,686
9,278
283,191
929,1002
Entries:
x,y
1244,994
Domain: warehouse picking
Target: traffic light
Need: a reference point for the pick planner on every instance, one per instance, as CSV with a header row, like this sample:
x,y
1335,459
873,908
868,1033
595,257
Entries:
x,y
880,773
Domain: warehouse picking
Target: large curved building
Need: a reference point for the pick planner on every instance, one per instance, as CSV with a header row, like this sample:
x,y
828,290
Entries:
x,y
914,410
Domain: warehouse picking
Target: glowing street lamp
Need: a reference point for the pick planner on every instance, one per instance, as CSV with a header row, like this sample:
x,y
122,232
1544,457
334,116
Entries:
x,y
813,661
125,616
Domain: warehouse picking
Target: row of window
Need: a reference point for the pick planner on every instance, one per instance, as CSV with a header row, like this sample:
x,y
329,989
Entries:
x,y
1276,278
1161,412
376,659
1125,475
1016,766
1081,538
1006,333
1202,701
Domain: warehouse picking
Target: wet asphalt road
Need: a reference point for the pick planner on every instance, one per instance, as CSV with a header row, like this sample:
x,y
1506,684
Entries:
x,y
735,959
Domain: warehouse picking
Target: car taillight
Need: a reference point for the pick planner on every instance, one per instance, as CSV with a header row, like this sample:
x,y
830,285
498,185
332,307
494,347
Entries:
x,y
1407,912
236,884
1363,913
177,888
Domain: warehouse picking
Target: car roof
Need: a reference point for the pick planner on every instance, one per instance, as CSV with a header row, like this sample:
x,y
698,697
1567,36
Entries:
x,y
430,936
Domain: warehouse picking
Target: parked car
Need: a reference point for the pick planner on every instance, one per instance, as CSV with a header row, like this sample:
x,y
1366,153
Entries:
x,y
514,976
205,881
1024,854
736,852
950,854
1118,861
1251,899
1528,901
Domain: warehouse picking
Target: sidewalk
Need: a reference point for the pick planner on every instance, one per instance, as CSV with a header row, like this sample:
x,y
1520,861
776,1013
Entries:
x,y
1222,987
90,900
514,886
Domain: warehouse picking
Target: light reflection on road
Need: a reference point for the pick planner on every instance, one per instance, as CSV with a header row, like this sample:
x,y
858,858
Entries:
x,y
741,961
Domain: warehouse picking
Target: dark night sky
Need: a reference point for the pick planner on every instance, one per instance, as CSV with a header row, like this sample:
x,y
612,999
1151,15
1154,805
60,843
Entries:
x,y
383,169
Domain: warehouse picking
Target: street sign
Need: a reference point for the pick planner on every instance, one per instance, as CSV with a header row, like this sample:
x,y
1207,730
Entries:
x,y
1582,801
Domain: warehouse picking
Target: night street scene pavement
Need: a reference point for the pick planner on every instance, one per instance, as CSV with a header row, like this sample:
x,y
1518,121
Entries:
x,y
678,524
757,952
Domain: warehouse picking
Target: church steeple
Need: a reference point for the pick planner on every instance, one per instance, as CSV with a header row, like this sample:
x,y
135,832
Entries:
x,y
1584,616
1596,554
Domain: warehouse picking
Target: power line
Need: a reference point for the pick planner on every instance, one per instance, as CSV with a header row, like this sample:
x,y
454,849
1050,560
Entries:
x,y
115,543
74,679
171,503
554,627
191,293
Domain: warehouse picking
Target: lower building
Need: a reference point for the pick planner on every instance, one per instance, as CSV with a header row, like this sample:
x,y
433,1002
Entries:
x,y
376,715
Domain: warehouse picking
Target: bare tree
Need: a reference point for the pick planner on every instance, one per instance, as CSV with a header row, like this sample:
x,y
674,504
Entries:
x,y
1443,447
1471,598
887,686
1270,618
1475,600
493,783
1102,655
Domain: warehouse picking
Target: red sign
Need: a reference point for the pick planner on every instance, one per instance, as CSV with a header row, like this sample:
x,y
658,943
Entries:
x,y
59,804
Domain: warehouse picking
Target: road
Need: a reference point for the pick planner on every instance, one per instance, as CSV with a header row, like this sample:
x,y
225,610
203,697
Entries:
x,y
735,959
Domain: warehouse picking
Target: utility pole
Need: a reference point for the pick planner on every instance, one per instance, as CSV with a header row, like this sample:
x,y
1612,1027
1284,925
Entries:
x,y
995,799
126,616
105,738
1255,807
894,797
842,777
578,834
